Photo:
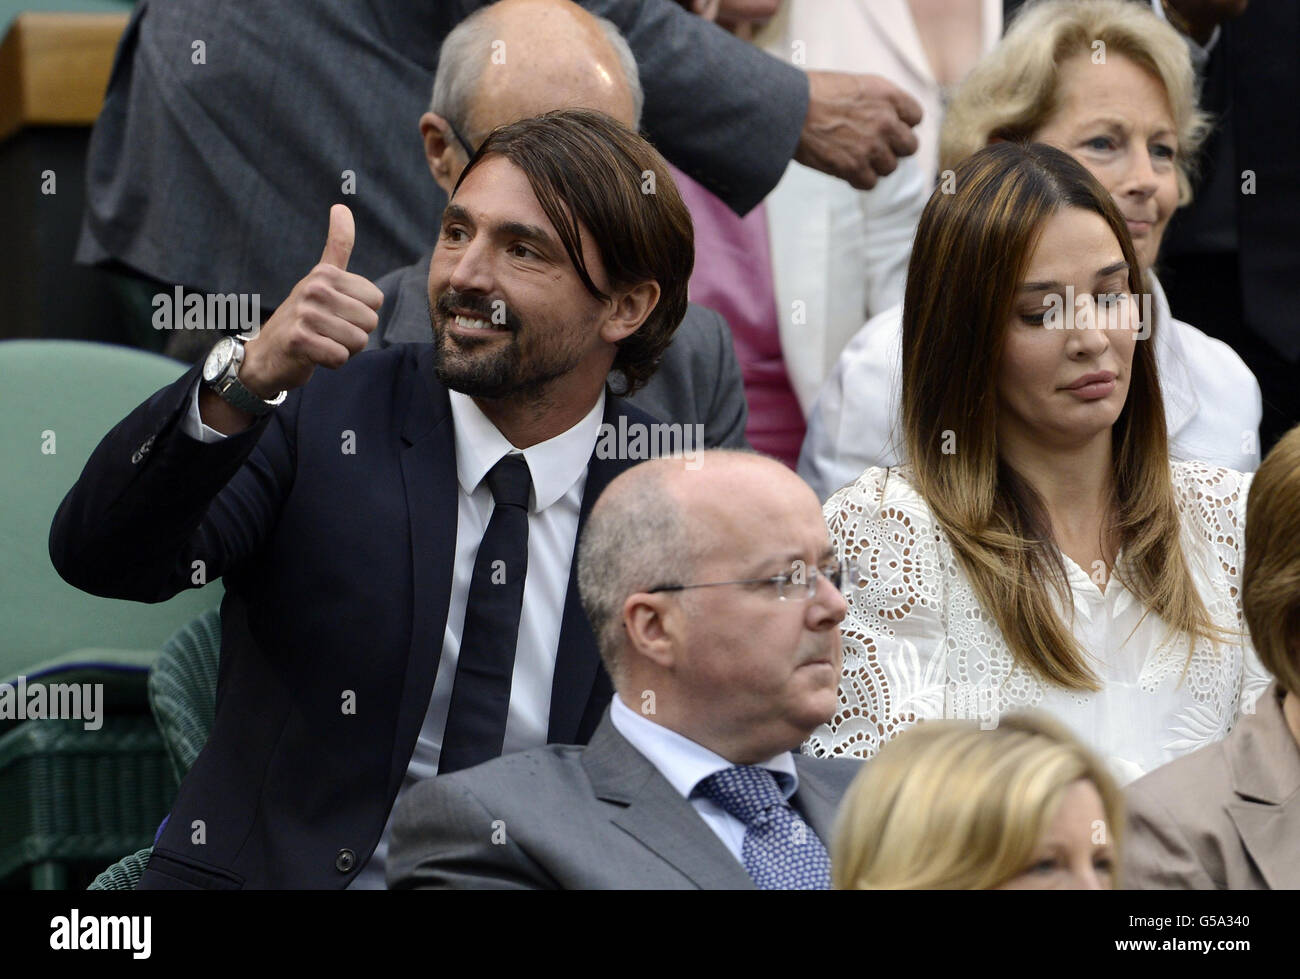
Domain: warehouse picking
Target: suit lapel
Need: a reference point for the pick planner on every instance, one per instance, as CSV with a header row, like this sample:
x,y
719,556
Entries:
x,y
1271,834
816,802
656,816
429,476
581,688
896,26
1265,765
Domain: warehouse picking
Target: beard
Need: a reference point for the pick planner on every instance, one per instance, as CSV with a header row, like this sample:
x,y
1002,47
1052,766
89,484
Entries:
x,y
520,368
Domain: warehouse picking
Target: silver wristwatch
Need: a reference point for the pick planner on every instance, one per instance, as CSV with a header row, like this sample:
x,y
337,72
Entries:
x,y
221,373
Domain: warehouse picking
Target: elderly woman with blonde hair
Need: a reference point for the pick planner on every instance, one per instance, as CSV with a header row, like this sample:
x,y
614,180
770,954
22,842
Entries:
x,y
948,806
1112,85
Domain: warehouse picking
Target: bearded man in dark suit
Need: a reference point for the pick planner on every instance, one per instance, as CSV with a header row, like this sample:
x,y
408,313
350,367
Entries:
x,y
395,532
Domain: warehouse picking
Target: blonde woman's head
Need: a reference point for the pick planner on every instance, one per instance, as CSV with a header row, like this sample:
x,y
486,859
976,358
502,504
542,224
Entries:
x,y
1105,80
947,805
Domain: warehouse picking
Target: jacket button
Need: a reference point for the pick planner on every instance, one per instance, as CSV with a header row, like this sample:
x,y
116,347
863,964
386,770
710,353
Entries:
x,y
345,861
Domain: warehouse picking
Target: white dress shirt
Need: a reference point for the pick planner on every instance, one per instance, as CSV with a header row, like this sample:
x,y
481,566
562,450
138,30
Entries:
x,y
1212,400
192,424
839,255
879,37
684,763
559,473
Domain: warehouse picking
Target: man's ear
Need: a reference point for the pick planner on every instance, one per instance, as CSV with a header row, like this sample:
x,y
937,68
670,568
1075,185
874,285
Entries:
x,y
440,150
652,624
630,310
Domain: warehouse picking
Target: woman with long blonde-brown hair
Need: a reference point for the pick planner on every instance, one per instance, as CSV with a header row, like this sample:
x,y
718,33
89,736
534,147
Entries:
x,y
1038,549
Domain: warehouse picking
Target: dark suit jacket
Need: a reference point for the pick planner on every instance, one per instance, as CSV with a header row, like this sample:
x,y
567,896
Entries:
x,y
1252,89
698,381
218,175
338,572
579,818
1227,816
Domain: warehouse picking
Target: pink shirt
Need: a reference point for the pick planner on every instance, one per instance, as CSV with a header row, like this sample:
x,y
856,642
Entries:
x,y
733,275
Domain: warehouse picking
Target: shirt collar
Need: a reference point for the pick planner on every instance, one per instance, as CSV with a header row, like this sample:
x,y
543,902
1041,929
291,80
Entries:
x,y
683,762
1176,384
555,465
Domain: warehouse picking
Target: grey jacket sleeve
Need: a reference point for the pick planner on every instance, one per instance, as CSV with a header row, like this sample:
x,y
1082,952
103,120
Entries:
x,y
398,321
699,382
727,412
444,838
726,113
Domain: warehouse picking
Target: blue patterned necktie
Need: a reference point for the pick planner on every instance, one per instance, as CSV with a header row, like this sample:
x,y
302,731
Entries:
x,y
780,852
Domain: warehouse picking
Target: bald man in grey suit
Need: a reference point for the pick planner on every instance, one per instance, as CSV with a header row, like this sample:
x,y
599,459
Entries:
x,y
720,627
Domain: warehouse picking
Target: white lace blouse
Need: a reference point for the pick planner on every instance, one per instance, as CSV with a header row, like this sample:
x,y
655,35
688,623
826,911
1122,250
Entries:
x,y
918,645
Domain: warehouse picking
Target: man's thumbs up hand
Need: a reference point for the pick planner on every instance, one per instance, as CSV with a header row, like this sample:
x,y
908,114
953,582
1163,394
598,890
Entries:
x,y
342,235
326,319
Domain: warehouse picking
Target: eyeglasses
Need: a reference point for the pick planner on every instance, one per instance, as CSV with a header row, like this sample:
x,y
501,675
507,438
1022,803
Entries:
x,y
798,584
470,148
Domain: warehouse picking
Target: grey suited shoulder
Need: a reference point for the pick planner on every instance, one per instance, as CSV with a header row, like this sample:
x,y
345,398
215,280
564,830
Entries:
x,y
698,382
1227,816
599,817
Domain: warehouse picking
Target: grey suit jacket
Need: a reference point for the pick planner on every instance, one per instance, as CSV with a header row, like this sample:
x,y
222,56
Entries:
x,y
214,167
1225,816
600,817
698,380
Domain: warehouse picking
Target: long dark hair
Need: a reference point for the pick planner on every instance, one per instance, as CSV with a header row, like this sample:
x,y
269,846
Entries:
x,y
589,170
972,248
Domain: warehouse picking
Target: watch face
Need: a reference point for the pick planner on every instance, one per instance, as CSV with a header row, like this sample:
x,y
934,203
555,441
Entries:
x,y
218,360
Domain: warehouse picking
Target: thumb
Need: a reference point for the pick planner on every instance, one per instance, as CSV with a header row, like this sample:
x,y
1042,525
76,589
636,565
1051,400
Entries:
x,y
909,110
338,245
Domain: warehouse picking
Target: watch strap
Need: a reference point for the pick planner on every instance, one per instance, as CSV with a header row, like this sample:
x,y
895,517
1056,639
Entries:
x,y
245,400
230,390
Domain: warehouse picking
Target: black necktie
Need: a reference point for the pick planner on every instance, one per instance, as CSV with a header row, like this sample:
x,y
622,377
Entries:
x,y
480,696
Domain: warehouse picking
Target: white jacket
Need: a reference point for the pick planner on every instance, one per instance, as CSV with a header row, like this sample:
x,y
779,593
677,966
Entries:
x,y
839,255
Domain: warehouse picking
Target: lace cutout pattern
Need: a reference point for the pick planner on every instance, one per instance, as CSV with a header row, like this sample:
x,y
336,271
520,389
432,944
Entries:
x,y
918,645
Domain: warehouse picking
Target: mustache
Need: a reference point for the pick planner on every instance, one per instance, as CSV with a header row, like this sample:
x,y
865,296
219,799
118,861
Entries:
x,y
495,311
824,650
